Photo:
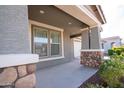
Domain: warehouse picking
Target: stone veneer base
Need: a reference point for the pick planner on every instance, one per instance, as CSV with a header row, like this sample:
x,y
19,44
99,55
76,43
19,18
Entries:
x,y
22,76
91,58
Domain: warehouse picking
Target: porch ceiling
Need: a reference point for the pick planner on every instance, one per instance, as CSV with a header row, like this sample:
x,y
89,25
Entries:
x,y
81,13
53,16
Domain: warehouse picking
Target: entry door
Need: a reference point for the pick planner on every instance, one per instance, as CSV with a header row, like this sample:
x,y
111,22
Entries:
x,y
77,48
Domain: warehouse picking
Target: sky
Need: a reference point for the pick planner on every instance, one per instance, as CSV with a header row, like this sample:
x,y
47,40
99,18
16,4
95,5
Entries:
x,y
114,15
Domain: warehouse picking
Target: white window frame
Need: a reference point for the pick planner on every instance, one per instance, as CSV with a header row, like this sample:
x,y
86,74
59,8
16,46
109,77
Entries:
x,y
32,22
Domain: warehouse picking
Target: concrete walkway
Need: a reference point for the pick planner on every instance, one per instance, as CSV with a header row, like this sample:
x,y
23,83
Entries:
x,y
68,75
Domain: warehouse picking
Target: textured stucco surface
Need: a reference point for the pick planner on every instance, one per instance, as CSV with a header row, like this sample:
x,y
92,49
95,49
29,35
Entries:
x,y
14,29
85,40
95,38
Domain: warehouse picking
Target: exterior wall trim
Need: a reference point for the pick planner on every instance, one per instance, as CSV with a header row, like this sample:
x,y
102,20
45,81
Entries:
x,y
87,28
100,13
52,58
86,11
8,60
92,50
45,25
50,27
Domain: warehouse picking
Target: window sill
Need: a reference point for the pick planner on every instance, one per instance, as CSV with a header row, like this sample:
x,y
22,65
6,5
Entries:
x,y
53,58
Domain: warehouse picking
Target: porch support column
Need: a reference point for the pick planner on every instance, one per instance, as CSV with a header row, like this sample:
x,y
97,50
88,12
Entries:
x,y
85,40
95,38
91,55
17,64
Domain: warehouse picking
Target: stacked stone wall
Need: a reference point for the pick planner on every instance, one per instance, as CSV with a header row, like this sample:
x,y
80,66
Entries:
x,y
22,76
91,58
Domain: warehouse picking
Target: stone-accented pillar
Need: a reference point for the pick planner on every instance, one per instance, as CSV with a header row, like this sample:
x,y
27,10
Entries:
x,y
91,57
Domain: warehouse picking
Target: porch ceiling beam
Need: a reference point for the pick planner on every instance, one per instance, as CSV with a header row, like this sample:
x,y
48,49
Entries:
x,y
76,35
80,13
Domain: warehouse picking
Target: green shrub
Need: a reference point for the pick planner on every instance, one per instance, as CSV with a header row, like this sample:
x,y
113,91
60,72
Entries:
x,y
117,58
112,71
90,85
110,52
116,51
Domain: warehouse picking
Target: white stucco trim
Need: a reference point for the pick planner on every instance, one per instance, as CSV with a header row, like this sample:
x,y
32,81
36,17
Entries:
x,y
8,60
52,58
87,28
62,40
45,25
92,50
84,29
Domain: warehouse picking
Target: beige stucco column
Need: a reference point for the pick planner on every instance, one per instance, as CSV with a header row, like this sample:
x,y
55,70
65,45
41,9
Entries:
x,y
95,38
91,38
85,39
91,53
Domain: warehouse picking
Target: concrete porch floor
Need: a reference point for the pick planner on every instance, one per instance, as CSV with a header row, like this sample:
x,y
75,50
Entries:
x,y
68,75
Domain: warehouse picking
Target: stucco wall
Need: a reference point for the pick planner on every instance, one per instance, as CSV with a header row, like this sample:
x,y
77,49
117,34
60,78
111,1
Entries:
x,y
14,29
85,40
95,38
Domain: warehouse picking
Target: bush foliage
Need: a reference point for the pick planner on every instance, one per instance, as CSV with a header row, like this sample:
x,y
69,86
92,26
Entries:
x,y
112,71
90,85
116,51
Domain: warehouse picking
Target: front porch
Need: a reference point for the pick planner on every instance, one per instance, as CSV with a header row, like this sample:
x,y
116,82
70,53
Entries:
x,y
44,35
68,75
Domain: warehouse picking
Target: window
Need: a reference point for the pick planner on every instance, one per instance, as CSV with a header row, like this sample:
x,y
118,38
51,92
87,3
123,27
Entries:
x,y
40,41
55,42
46,42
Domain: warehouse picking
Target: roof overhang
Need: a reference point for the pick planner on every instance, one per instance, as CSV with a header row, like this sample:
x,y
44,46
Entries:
x,y
81,13
101,13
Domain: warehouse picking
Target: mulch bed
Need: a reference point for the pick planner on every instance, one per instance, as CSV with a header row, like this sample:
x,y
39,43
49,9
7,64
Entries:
x,y
95,79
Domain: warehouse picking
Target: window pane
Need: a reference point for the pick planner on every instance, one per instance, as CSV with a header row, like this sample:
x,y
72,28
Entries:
x,y
55,42
55,37
40,41
55,49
